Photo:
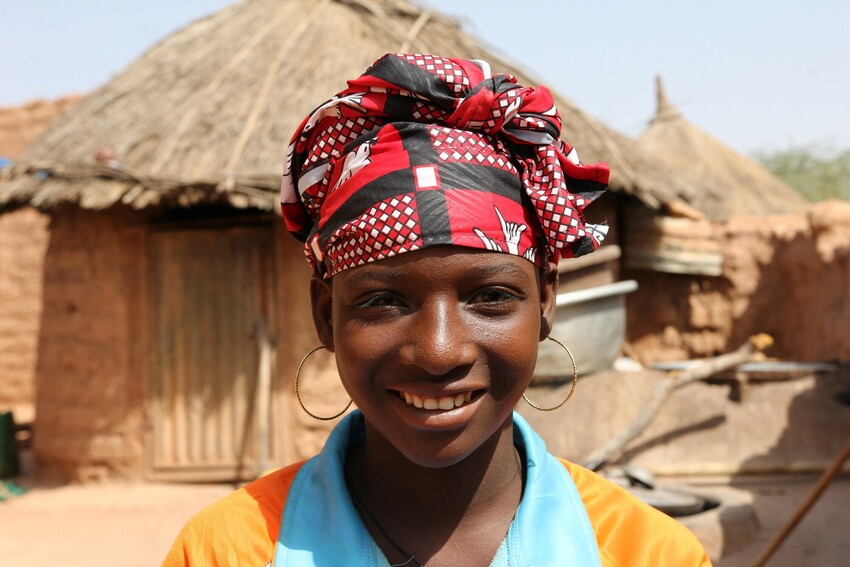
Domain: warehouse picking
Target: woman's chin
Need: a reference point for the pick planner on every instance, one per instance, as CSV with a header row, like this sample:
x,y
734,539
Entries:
x,y
439,439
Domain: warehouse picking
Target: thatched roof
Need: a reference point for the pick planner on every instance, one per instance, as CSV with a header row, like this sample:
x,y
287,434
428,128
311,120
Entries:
x,y
747,187
206,114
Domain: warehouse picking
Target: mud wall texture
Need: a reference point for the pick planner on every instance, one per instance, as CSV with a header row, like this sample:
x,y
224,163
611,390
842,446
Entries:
x,y
23,241
792,426
92,372
89,388
21,125
788,276
301,435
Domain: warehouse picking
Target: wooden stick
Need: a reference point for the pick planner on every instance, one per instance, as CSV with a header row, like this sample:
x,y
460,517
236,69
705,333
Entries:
x,y
825,479
614,446
264,395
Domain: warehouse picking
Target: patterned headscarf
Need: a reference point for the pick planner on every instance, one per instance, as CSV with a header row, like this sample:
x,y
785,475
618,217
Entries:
x,y
424,150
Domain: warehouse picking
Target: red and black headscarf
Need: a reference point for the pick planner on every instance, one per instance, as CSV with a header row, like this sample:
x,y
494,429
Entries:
x,y
423,151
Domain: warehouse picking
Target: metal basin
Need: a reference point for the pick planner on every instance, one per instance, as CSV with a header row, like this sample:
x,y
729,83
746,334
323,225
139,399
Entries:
x,y
592,323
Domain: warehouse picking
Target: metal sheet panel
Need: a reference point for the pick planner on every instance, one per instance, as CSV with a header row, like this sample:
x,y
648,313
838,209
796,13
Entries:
x,y
209,288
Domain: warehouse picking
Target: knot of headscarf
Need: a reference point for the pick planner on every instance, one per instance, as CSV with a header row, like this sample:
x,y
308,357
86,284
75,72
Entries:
x,y
461,157
498,104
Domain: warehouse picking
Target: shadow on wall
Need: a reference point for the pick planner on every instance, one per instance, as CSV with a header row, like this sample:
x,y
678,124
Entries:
x,y
816,428
802,296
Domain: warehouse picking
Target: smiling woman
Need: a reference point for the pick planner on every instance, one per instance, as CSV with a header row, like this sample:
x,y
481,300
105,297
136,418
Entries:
x,y
416,333
435,200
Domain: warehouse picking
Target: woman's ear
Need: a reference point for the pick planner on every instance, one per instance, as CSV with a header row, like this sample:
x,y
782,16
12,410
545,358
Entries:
x,y
548,298
321,296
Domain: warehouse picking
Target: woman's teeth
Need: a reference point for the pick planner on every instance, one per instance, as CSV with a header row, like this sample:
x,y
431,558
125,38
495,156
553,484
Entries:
x,y
443,403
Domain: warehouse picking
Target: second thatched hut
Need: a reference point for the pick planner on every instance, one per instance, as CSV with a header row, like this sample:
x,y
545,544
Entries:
x,y
750,256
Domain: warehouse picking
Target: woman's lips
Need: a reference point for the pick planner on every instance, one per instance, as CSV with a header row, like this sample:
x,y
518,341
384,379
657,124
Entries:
x,y
435,410
440,403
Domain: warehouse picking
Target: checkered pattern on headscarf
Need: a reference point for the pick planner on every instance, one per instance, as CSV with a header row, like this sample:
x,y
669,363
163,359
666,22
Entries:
x,y
424,150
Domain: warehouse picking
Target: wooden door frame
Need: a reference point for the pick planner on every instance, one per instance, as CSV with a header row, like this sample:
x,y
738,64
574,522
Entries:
x,y
146,329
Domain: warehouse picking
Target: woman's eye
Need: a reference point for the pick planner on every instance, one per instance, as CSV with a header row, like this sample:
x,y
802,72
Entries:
x,y
379,300
495,296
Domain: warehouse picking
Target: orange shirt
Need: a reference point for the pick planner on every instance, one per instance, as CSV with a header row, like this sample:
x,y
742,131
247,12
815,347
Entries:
x,y
242,528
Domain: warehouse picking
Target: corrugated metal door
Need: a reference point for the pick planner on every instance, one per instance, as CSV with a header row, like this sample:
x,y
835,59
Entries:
x,y
211,291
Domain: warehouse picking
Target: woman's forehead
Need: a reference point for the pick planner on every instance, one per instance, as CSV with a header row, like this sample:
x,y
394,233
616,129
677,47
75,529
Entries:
x,y
441,260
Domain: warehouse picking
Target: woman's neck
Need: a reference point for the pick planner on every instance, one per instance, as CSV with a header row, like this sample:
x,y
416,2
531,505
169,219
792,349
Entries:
x,y
425,510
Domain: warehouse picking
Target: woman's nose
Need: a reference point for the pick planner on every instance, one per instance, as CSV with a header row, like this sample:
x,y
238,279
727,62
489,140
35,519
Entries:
x,y
440,340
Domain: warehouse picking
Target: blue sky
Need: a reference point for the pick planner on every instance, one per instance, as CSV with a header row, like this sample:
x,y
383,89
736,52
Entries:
x,y
757,74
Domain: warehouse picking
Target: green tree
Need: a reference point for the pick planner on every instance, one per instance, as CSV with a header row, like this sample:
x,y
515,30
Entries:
x,y
818,172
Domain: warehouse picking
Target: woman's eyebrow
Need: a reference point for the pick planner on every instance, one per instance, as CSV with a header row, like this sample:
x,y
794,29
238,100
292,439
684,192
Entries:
x,y
375,274
501,269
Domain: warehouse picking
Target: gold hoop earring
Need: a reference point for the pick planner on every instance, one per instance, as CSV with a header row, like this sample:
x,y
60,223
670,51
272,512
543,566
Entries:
x,y
572,389
298,395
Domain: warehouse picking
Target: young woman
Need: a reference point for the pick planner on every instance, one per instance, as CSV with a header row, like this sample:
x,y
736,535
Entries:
x,y
435,201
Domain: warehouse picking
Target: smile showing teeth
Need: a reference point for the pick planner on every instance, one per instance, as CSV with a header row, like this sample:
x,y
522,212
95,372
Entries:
x,y
442,403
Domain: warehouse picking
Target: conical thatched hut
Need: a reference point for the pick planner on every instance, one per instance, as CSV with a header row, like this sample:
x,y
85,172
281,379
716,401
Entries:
x,y
750,189
686,240
725,268
171,293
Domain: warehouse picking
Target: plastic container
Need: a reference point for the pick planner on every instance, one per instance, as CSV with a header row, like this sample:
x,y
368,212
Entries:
x,y
9,463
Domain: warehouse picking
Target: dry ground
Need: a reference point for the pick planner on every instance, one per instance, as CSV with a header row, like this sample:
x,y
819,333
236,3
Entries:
x,y
132,525
98,525
821,539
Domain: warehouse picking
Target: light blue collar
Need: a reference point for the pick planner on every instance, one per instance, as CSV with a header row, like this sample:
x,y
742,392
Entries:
x,y
321,528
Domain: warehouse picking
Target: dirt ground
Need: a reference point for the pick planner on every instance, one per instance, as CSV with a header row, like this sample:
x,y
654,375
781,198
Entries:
x,y
132,525
98,525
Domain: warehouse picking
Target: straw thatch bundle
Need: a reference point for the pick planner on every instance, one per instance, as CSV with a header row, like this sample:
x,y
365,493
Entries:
x,y
747,188
205,115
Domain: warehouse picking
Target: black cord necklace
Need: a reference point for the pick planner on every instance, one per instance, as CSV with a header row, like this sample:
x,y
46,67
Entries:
x,y
411,558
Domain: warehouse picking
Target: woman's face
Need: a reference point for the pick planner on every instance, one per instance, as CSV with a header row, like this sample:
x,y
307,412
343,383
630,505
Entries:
x,y
436,347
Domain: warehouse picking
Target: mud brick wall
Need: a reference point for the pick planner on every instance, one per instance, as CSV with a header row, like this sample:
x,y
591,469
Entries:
x,y
788,276
21,125
23,241
89,388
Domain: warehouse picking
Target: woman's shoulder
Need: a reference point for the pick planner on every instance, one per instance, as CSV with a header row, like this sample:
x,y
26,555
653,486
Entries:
x,y
239,529
630,532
